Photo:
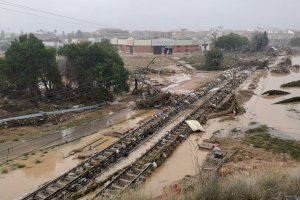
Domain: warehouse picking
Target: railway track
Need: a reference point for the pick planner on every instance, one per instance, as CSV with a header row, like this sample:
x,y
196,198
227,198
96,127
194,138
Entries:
x,y
137,172
80,175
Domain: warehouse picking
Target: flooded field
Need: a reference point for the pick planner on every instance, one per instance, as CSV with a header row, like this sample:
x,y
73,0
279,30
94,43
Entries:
x,y
284,119
186,160
28,172
183,83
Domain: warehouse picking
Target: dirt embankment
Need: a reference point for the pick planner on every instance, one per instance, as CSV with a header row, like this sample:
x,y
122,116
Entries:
x,y
64,122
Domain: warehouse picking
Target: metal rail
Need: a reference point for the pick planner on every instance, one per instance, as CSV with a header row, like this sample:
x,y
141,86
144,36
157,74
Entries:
x,y
79,175
128,176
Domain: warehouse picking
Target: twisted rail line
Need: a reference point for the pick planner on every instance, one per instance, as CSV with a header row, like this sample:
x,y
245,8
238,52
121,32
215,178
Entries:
x,y
141,168
83,173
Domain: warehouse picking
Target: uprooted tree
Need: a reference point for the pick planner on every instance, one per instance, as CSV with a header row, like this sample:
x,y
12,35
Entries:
x,y
96,67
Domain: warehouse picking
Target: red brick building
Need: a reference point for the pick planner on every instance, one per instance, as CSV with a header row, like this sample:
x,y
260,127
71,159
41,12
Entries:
x,y
156,46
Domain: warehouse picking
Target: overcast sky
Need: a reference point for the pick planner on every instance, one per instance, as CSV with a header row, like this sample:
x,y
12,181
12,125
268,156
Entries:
x,y
151,14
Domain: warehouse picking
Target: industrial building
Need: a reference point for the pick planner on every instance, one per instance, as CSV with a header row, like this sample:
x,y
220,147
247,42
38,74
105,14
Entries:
x,y
156,46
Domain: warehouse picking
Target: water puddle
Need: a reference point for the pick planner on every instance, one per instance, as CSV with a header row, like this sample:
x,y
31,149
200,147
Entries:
x,y
45,165
284,120
186,160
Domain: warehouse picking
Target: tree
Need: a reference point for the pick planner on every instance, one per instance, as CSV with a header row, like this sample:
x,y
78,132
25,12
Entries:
x,y
28,63
12,37
259,41
79,34
4,84
213,59
2,35
295,42
97,66
232,42
50,75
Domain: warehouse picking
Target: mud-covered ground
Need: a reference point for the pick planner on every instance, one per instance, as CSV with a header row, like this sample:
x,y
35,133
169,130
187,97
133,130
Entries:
x,y
55,148
229,132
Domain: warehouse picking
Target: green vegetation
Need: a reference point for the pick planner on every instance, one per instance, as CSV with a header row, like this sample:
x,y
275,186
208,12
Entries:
x,y
266,185
295,42
232,42
214,59
260,138
94,72
291,84
290,100
37,161
259,41
27,62
96,67
275,92
17,166
197,61
4,171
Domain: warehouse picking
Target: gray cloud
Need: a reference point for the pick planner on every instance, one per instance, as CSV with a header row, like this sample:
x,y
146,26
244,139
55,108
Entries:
x,y
154,14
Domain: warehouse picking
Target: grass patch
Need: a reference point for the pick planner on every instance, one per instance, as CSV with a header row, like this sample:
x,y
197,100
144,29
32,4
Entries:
x,y
275,92
291,84
17,166
260,138
290,100
4,171
24,157
266,185
37,161
252,123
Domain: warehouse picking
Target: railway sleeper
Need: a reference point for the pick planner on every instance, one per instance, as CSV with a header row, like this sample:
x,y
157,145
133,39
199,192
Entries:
x,y
41,196
116,186
109,194
130,175
51,189
124,181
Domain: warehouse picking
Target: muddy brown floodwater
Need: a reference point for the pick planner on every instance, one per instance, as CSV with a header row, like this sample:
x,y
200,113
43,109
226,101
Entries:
x,y
285,119
185,160
45,165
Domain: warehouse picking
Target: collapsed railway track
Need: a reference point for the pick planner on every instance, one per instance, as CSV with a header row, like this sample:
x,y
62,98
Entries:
x,y
83,173
136,173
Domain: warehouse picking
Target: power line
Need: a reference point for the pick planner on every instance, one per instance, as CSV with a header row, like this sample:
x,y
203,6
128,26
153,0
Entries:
x,y
26,13
50,13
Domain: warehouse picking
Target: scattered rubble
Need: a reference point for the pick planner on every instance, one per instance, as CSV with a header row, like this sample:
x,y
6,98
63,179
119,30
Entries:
x,y
155,101
280,70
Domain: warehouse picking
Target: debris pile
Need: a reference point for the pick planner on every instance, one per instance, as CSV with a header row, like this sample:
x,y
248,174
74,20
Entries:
x,y
158,100
283,66
280,70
